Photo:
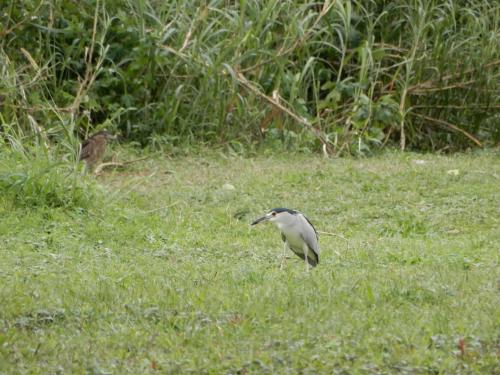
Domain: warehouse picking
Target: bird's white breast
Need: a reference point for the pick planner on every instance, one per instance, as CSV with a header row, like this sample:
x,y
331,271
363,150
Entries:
x,y
292,235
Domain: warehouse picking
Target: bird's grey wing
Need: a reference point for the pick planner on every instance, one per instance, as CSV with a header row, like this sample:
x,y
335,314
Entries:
x,y
309,235
311,226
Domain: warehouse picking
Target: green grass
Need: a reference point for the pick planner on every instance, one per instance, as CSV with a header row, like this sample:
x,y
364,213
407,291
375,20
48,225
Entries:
x,y
165,273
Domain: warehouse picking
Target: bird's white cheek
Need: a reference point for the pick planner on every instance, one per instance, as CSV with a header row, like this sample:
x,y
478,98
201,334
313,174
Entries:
x,y
278,224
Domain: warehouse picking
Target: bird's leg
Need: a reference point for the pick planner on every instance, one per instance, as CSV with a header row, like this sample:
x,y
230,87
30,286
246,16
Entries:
x,y
283,257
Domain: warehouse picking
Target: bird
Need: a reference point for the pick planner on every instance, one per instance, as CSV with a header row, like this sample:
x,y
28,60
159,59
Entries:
x,y
93,148
297,233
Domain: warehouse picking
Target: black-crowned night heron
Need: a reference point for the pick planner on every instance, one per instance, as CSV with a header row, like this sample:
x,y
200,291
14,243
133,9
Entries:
x,y
297,233
94,147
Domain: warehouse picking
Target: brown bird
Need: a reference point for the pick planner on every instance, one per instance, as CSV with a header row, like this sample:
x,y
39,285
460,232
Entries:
x,y
93,148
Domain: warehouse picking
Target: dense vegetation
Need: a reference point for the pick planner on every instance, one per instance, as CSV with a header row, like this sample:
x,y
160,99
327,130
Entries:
x,y
341,76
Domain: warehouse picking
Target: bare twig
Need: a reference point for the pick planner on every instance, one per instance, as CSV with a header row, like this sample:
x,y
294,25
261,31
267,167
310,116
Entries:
x,y
241,79
335,235
442,88
448,125
251,87
100,167
332,234
273,114
136,160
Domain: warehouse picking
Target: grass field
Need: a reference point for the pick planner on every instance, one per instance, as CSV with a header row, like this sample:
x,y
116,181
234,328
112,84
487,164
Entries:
x,y
163,273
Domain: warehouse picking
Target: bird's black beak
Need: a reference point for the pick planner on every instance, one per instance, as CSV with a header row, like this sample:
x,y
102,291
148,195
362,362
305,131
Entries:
x,y
260,219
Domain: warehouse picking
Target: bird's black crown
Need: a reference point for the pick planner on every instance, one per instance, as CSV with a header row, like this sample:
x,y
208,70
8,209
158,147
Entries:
x,y
281,209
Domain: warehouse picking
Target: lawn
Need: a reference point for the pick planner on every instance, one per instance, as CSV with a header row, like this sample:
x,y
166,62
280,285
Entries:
x,y
163,273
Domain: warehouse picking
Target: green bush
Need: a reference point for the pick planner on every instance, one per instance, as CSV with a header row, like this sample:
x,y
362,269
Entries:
x,y
37,181
416,73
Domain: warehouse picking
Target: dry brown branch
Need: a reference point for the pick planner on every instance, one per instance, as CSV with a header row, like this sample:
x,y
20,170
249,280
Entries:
x,y
251,87
273,114
335,235
458,85
332,234
448,125
100,167
273,101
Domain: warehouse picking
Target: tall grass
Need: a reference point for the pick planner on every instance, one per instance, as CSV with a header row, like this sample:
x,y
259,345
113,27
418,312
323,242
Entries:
x,y
42,183
344,76
34,174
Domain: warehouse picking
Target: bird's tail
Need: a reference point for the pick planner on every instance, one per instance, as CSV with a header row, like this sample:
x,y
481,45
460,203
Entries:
x,y
313,261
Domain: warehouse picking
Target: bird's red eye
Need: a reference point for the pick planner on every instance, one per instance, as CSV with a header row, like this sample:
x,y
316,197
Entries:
x,y
274,214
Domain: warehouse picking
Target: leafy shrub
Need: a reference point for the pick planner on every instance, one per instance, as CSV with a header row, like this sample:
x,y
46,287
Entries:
x,y
417,73
39,182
